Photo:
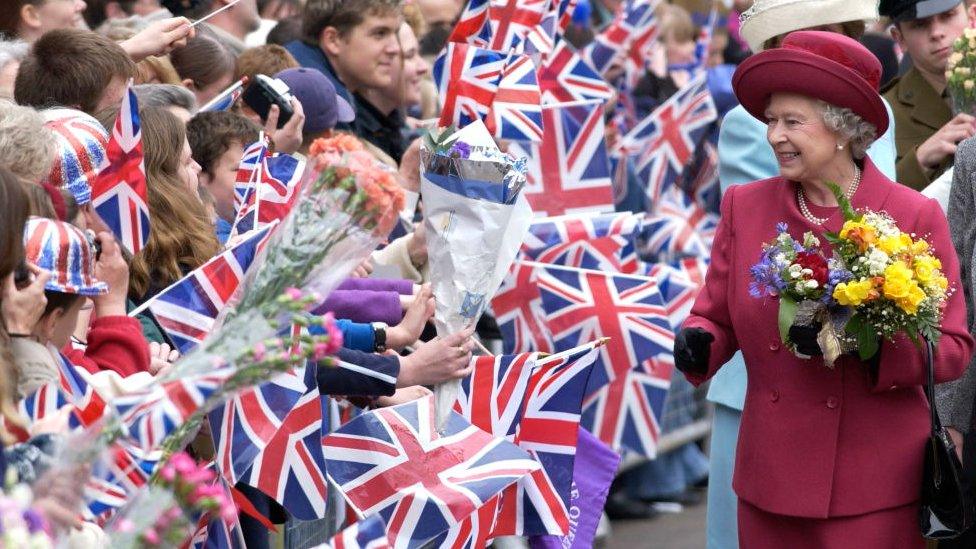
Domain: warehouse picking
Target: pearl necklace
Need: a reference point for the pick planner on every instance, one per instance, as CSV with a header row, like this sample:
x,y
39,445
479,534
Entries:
x,y
801,198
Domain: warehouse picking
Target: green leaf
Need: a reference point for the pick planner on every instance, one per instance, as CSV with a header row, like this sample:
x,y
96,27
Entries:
x,y
842,201
787,313
867,341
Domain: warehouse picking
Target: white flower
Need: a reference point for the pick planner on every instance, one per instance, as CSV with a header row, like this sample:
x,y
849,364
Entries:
x,y
876,261
812,284
800,286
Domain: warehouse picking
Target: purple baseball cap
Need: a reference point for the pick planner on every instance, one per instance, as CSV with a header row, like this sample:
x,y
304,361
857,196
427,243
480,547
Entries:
x,y
323,107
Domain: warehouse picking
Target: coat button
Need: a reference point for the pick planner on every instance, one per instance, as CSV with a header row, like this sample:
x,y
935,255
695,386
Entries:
x,y
831,403
774,346
774,396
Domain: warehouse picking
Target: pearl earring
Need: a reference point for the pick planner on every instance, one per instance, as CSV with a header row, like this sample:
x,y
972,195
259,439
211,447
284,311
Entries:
x,y
840,147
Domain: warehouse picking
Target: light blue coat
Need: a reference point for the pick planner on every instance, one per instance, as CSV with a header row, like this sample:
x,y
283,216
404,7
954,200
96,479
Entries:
x,y
744,155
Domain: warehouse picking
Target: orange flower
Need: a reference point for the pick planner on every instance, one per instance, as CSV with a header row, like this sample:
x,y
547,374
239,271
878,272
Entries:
x,y
340,142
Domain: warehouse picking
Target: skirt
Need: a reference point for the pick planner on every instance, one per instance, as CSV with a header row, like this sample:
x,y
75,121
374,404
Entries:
x,y
884,529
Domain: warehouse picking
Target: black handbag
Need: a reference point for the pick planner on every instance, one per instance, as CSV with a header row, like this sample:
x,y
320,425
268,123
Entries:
x,y
946,504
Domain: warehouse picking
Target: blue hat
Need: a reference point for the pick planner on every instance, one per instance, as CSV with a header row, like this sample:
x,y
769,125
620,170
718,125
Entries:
x,y
324,108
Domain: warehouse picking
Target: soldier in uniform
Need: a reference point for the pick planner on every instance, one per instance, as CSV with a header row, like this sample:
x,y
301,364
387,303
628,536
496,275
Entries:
x,y
926,132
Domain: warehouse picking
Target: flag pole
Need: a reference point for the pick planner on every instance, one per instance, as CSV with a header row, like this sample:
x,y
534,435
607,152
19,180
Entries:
x,y
215,12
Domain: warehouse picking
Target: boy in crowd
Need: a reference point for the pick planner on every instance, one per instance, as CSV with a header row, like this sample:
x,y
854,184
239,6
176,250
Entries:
x,y
926,133
353,42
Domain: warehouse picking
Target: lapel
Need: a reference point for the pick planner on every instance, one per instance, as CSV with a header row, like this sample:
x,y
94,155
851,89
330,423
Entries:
x,y
928,108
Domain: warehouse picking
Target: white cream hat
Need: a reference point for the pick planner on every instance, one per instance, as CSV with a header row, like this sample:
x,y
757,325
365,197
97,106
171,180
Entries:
x,y
769,18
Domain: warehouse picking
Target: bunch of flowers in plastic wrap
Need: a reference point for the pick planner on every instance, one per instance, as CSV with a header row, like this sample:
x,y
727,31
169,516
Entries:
x,y
20,525
347,203
961,73
166,514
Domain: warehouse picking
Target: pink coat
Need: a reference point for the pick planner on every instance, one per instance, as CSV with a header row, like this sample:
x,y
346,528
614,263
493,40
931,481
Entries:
x,y
816,442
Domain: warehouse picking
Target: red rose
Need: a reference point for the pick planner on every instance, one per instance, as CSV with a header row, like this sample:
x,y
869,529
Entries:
x,y
816,263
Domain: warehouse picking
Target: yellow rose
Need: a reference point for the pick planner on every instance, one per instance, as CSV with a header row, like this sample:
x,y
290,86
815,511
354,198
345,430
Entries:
x,y
893,245
925,267
920,247
898,281
942,282
852,293
911,302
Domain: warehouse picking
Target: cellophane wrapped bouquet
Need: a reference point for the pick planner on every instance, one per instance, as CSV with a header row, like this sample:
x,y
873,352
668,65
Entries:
x,y
169,512
21,525
878,282
348,203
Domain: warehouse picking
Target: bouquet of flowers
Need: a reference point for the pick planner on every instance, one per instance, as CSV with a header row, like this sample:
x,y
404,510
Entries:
x,y
879,281
476,218
167,513
961,73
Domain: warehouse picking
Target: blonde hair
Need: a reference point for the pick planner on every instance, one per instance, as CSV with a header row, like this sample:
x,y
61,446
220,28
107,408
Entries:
x,y
676,23
27,147
156,70
182,235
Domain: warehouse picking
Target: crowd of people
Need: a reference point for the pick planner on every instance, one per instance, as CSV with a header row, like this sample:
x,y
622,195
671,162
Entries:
x,y
799,456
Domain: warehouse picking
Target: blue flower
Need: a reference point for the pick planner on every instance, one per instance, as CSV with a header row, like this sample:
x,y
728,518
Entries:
x,y
781,227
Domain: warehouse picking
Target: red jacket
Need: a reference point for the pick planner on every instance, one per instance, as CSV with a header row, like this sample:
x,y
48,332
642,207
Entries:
x,y
114,343
816,442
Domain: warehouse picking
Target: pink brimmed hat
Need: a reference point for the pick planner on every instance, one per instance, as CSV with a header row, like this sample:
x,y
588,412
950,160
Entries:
x,y
822,65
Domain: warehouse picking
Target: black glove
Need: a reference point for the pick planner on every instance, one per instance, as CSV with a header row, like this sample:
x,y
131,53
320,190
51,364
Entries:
x,y
804,338
691,350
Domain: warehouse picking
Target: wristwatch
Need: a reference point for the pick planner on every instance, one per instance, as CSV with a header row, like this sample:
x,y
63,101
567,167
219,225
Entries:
x,y
379,336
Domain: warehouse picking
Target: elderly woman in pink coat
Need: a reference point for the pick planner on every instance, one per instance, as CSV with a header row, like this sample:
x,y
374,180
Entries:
x,y
827,458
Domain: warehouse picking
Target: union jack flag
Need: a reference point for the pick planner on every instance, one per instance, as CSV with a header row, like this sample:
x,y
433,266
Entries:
x,y
626,390
213,531
516,111
188,308
539,503
517,307
666,139
271,196
629,34
473,532
369,533
47,400
248,170
678,228
569,171
678,290
471,21
119,194
226,99
700,177
564,77
89,406
422,481
152,414
116,478
492,397
587,241
467,79
269,437
511,20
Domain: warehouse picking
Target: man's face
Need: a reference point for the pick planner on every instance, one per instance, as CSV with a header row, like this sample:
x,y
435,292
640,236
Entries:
x,y
220,180
364,57
929,41
112,97
439,12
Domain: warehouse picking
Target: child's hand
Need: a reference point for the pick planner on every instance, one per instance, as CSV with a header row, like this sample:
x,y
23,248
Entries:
x,y
111,269
161,358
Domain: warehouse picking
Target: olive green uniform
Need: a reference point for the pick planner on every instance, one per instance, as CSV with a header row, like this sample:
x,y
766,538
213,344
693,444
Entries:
x,y
919,112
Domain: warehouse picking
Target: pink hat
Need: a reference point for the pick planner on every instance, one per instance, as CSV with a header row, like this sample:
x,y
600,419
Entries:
x,y
81,151
821,65
64,251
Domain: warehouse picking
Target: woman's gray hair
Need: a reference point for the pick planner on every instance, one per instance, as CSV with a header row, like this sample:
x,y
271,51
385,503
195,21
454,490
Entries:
x,y
850,126
12,50
165,95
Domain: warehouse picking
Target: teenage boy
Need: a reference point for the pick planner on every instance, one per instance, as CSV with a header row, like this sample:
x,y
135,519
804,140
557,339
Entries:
x,y
353,42
217,140
926,133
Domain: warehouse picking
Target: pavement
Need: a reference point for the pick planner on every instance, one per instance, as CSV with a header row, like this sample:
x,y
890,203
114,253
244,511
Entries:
x,y
684,530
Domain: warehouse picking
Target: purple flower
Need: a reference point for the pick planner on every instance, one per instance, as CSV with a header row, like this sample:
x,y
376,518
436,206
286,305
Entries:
x,y
460,150
766,280
35,522
781,227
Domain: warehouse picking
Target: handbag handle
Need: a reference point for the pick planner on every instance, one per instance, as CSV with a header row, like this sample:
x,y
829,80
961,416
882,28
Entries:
x,y
930,386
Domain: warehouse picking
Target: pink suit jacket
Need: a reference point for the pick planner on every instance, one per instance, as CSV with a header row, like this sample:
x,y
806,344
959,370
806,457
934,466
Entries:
x,y
816,442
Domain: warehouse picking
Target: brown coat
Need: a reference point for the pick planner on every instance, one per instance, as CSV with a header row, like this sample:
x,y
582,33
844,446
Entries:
x,y
919,112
